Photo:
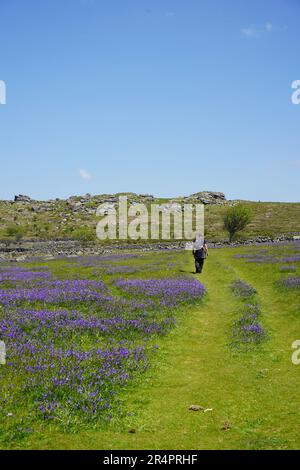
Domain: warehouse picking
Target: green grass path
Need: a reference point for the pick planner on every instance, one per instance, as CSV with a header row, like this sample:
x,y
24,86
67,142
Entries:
x,y
255,392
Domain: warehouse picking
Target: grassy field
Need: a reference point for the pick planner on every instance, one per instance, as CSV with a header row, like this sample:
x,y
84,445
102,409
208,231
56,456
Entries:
x,y
250,392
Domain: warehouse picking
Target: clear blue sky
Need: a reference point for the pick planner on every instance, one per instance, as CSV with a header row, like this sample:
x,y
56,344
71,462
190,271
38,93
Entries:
x,y
150,96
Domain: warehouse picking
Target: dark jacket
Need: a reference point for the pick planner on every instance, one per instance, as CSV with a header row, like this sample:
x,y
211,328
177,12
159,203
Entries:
x,y
201,253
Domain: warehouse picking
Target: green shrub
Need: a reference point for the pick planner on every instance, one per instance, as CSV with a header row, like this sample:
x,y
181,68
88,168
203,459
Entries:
x,y
15,231
84,234
236,218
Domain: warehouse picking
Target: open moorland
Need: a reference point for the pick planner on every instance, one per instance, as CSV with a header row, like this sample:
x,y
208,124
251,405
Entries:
x,y
133,350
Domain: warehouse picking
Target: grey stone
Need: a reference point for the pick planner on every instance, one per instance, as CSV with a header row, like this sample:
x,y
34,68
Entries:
x,y
209,197
22,198
196,408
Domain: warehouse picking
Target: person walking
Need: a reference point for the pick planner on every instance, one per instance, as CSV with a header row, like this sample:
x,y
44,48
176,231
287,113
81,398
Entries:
x,y
200,252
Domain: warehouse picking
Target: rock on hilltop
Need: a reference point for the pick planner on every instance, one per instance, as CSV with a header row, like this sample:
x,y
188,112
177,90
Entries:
x,y
22,198
209,197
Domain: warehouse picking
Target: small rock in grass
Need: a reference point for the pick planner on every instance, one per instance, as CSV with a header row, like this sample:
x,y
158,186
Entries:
x,y
196,408
226,426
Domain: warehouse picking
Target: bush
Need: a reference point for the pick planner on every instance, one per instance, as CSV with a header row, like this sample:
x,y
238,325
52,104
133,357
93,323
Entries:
x,y
84,234
236,219
15,231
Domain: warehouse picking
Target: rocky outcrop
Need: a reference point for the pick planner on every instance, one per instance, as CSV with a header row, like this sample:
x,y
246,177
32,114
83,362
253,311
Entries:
x,y
209,197
22,198
148,197
88,204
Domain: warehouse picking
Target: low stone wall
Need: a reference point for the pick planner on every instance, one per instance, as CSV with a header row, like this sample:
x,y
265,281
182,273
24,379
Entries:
x,y
71,248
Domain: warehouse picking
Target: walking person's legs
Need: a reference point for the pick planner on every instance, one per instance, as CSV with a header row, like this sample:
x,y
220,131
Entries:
x,y
201,262
199,265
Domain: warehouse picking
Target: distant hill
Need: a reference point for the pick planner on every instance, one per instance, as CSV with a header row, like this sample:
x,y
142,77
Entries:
x,y
75,217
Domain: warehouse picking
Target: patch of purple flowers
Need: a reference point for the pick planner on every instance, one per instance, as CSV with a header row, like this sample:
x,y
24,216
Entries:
x,y
242,289
102,260
72,345
292,282
248,329
17,273
170,291
275,256
119,269
290,259
288,269
57,291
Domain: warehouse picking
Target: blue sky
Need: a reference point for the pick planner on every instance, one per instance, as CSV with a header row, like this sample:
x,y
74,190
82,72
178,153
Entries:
x,y
162,97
